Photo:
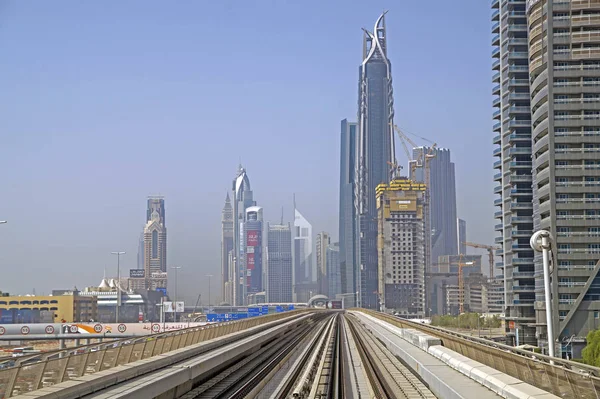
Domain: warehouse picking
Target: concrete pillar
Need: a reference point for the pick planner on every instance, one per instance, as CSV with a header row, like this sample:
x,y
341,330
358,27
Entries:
x,y
61,344
77,342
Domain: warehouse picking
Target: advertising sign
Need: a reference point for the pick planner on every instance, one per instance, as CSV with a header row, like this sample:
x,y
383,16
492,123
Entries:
x,y
252,238
137,273
250,261
159,275
179,307
168,307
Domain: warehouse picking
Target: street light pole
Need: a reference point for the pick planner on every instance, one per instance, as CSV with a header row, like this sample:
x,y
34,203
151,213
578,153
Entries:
x,y
176,268
118,253
209,276
3,222
541,242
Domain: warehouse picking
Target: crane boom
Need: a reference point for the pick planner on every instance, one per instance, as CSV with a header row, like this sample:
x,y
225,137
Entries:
x,y
490,249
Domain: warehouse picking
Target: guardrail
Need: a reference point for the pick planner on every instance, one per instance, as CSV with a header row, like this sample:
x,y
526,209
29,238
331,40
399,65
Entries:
x,y
561,377
64,365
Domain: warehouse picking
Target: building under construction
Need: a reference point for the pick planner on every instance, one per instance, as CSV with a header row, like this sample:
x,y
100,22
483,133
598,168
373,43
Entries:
x,y
403,247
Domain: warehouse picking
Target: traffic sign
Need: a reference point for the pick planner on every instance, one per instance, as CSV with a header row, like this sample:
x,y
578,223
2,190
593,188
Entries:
x,y
98,328
74,329
49,330
2,330
122,328
155,328
24,330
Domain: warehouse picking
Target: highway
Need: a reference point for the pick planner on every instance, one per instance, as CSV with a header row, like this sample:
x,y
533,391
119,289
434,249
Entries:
x,y
301,354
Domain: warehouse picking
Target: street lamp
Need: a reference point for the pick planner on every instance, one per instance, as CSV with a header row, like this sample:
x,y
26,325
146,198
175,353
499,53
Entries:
x,y
3,222
541,241
118,253
175,308
209,276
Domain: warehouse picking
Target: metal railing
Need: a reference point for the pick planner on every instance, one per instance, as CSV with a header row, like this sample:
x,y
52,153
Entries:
x,y
561,377
65,365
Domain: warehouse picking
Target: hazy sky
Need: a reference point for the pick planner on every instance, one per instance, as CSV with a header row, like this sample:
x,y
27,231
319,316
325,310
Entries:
x,y
104,103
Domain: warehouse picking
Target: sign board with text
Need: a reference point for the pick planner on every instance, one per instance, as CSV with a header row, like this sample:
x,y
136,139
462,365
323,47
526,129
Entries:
x,y
137,273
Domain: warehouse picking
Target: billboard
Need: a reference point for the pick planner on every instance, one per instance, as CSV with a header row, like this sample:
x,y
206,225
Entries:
x,y
252,238
170,307
137,273
250,261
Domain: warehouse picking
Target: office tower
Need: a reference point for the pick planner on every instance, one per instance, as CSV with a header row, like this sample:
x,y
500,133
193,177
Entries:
x,y
279,263
323,241
334,278
442,200
512,131
155,244
347,211
303,256
564,73
402,246
462,236
375,151
253,244
140,253
226,248
242,200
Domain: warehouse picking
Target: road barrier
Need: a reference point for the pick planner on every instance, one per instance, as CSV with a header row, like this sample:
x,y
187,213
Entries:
x,y
561,377
64,365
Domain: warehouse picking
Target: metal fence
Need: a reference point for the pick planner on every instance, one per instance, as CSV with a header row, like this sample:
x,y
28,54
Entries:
x,y
45,370
561,377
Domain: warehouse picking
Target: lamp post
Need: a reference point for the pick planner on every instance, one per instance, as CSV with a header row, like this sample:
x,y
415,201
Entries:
x,y
3,222
209,276
541,241
118,253
176,268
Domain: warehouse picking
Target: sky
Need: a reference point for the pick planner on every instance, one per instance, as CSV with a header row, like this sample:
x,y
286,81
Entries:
x,y
105,103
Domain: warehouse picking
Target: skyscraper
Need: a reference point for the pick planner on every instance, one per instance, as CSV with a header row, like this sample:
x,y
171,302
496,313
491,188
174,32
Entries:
x,y
323,241
253,244
564,74
155,244
303,254
347,210
242,200
226,248
512,135
462,237
375,151
334,279
279,263
140,253
442,200
403,245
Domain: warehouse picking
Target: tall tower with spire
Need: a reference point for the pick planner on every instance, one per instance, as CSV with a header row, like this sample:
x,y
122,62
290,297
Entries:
x,y
375,152
226,248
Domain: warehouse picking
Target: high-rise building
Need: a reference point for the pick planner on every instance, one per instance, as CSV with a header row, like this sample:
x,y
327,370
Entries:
x,y
242,200
140,253
402,245
226,248
564,74
442,200
279,263
303,250
155,244
347,211
253,245
462,236
512,136
375,151
334,278
323,241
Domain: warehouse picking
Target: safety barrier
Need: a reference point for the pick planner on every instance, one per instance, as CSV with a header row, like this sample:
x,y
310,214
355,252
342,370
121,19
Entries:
x,y
561,377
66,365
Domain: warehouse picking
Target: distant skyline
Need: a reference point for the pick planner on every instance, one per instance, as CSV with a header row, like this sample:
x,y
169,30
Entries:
x,y
105,104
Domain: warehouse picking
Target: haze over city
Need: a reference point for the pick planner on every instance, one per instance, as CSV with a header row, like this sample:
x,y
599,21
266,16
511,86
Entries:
x,y
105,104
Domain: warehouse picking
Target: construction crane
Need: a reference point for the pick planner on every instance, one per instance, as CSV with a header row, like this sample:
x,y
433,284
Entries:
x,y
395,170
490,249
414,163
461,283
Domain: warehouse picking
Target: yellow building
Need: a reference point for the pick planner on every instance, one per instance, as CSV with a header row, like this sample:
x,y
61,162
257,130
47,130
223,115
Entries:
x,y
403,247
67,308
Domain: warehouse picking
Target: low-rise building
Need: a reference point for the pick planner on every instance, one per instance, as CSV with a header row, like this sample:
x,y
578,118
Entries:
x,y
66,308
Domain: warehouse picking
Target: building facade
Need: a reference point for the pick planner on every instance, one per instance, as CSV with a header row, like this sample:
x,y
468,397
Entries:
x,y
462,236
67,308
303,250
402,245
347,211
323,241
155,244
334,277
375,151
253,249
279,263
242,200
226,248
564,76
512,135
